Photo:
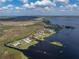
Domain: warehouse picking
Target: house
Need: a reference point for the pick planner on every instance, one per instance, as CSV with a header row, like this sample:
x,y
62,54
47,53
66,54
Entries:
x,y
27,40
16,43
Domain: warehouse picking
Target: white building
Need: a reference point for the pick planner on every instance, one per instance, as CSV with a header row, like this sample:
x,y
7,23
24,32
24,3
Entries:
x,y
16,43
27,40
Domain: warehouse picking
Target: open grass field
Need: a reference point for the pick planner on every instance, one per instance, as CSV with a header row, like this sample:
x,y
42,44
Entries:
x,y
12,31
17,23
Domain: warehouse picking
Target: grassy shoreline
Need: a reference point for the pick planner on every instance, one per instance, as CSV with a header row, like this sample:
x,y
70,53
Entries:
x,y
15,33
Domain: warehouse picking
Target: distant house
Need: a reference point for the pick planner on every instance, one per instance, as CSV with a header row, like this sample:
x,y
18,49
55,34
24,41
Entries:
x,y
16,43
39,33
27,40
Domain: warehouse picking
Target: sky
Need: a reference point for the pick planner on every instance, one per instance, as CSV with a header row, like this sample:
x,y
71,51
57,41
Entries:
x,y
39,7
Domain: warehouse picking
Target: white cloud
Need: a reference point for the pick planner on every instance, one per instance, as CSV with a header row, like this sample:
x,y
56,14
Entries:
x,y
8,7
17,8
75,5
65,1
10,0
26,5
29,6
72,7
4,7
47,8
39,4
24,1
2,1
43,2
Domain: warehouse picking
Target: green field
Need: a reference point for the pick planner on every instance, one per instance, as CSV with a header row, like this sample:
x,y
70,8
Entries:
x,y
11,32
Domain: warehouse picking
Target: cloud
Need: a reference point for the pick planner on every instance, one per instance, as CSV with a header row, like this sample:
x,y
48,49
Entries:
x,y
24,1
43,2
8,7
75,5
64,1
29,5
26,5
39,4
72,7
47,8
4,7
10,0
48,5
18,8
2,1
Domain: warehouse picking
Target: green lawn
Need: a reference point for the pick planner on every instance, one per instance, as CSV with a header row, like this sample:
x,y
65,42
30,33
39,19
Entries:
x,y
12,34
15,33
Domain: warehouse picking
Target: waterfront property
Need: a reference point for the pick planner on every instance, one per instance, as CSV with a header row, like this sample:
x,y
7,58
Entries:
x,y
32,38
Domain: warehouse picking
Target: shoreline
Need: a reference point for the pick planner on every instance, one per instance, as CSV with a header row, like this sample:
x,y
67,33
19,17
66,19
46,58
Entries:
x,y
33,42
